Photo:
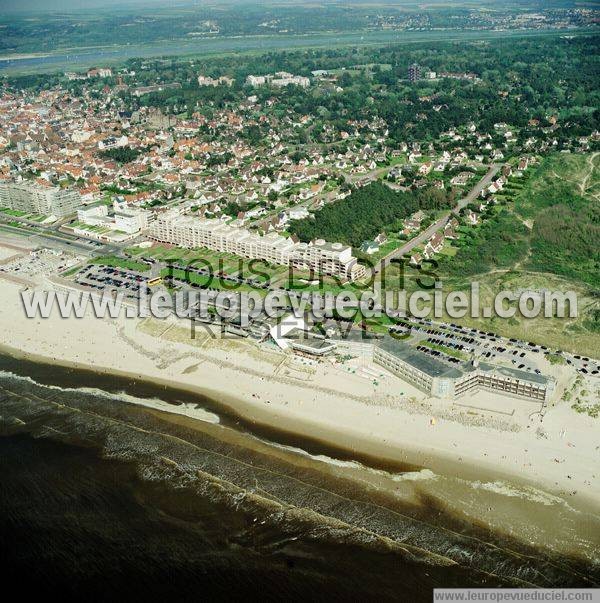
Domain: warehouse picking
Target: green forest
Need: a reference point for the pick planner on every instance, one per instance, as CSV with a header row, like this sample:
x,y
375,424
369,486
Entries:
x,y
367,212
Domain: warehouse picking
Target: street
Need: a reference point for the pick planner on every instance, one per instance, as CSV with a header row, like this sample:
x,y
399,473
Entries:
x,y
428,233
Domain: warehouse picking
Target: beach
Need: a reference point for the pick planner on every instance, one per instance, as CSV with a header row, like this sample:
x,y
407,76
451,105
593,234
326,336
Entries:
x,y
382,418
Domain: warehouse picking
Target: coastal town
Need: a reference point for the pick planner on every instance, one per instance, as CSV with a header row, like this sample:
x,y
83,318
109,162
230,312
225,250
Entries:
x,y
300,300
142,192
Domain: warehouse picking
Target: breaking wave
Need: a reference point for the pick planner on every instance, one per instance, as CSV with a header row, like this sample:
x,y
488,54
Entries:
x,y
188,409
408,476
290,500
525,492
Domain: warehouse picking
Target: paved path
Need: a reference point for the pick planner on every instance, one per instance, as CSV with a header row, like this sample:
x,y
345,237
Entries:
x,y
441,222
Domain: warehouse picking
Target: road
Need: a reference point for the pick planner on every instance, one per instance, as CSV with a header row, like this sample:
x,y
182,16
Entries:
x,y
50,236
441,222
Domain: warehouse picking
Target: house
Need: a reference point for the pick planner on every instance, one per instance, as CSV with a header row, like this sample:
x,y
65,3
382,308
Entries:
x,y
416,259
395,173
472,218
425,168
434,245
369,247
298,213
461,179
450,233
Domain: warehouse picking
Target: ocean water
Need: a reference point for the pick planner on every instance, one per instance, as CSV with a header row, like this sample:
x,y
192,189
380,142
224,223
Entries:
x,y
104,495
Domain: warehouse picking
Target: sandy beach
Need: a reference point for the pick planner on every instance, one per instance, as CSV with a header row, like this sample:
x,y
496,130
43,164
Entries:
x,y
342,405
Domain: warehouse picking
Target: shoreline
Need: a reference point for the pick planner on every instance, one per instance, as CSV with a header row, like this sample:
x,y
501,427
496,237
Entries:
x,y
351,415
315,439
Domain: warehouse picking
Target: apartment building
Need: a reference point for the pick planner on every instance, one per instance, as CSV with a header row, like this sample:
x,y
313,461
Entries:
x,y
46,200
190,232
436,378
131,221
333,259
93,214
279,80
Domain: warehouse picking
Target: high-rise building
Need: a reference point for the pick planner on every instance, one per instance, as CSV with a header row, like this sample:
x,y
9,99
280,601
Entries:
x,y
30,197
414,73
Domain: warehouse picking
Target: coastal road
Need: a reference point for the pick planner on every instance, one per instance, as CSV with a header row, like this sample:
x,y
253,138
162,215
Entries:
x,y
440,223
50,237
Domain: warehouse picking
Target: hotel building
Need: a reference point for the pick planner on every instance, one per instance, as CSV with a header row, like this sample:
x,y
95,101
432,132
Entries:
x,y
438,379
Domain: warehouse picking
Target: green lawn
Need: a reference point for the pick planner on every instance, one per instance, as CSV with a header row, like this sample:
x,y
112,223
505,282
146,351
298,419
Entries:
x,y
117,262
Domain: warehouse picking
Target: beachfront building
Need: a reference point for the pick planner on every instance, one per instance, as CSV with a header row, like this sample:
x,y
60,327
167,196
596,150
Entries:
x,y
333,259
190,232
436,378
36,198
94,214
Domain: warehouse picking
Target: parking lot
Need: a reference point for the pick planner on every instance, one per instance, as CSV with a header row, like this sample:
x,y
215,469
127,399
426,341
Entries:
x,y
523,355
41,262
106,277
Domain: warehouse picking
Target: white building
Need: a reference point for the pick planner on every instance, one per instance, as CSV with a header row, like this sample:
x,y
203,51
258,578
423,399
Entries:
x,y
46,200
93,215
256,80
333,259
287,79
279,80
131,221
298,213
205,80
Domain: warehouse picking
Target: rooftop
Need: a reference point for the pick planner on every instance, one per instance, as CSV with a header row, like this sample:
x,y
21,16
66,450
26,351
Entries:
x,y
437,368
420,361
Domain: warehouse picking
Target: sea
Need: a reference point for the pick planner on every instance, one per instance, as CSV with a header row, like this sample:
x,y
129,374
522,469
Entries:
x,y
119,489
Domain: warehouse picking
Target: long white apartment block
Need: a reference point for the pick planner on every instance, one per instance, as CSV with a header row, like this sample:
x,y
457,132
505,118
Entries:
x,y
333,259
